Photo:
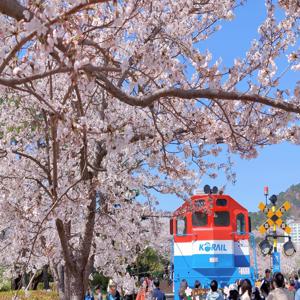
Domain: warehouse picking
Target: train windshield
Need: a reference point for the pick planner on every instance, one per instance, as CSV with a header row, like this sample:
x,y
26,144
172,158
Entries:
x,y
221,218
199,219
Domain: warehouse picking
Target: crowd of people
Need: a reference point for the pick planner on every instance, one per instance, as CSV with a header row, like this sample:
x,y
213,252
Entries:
x,y
275,287
149,289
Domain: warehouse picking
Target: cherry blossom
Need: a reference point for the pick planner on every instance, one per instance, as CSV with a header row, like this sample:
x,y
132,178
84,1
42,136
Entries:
x,y
100,99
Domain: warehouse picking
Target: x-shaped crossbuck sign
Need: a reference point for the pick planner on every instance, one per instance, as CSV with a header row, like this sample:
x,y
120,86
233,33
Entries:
x,y
274,217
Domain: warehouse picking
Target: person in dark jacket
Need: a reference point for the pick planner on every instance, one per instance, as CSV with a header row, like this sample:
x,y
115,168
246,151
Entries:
x,y
157,294
297,283
265,288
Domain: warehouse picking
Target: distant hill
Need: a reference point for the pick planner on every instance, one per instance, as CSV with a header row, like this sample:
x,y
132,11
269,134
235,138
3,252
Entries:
x,y
292,194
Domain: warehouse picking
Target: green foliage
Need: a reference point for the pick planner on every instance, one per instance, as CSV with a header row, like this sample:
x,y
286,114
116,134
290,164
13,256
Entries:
x,y
33,295
40,286
99,280
149,262
5,284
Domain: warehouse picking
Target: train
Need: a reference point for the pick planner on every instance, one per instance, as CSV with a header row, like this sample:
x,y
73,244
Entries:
x,y
211,239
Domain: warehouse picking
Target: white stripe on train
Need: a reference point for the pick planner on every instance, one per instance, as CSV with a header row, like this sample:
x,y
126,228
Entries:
x,y
212,247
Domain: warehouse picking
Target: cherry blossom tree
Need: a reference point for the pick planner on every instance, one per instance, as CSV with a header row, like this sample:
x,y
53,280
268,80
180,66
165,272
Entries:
x,y
100,98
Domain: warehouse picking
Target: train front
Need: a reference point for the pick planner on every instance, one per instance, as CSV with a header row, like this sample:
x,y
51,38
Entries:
x,y
210,241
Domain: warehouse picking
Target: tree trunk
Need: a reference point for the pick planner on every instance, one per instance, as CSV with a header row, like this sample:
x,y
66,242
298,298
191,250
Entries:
x,y
45,278
76,286
70,285
24,280
77,266
66,283
61,282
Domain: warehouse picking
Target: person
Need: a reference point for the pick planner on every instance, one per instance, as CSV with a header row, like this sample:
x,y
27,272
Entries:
x,y
297,295
233,292
157,294
246,290
128,297
150,286
279,292
213,294
265,288
267,277
239,282
112,292
89,295
143,290
183,286
292,286
197,291
256,294
99,294
297,283
233,295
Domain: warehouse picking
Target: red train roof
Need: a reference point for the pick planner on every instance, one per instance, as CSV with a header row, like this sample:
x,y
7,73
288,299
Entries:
x,y
210,203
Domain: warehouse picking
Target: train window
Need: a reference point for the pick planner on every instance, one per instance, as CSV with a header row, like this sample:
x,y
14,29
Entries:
x,y
249,222
199,218
181,226
221,202
221,218
240,224
171,226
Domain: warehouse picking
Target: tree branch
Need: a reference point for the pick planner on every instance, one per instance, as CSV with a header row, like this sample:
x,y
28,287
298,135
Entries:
x,y
32,159
64,245
13,9
207,93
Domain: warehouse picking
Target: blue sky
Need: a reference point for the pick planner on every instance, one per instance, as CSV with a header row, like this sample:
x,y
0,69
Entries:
x,y
277,166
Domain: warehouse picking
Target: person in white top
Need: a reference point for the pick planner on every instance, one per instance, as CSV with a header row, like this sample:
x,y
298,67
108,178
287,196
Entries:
x,y
246,290
279,292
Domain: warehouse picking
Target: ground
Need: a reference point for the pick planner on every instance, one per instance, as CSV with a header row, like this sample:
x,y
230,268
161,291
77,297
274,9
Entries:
x,y
34,295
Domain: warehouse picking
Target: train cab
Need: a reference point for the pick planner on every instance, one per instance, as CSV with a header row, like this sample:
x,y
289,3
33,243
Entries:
x,y
211,240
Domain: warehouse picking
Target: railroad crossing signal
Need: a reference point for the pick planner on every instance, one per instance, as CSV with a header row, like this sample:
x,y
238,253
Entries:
x,y
274,217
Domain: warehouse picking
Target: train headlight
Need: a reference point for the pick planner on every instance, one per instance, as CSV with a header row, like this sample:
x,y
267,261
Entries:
x,y
288,248
265,247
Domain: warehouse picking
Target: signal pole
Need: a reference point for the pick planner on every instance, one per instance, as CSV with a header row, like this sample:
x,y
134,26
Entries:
x,y
273,221
275,253
266,193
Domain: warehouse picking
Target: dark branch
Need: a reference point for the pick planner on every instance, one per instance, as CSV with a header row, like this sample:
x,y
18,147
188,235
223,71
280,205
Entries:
x,y
13,9
145,101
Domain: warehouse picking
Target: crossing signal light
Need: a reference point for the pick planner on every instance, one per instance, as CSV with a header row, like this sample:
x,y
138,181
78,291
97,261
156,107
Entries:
x,y
265,247
288,248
